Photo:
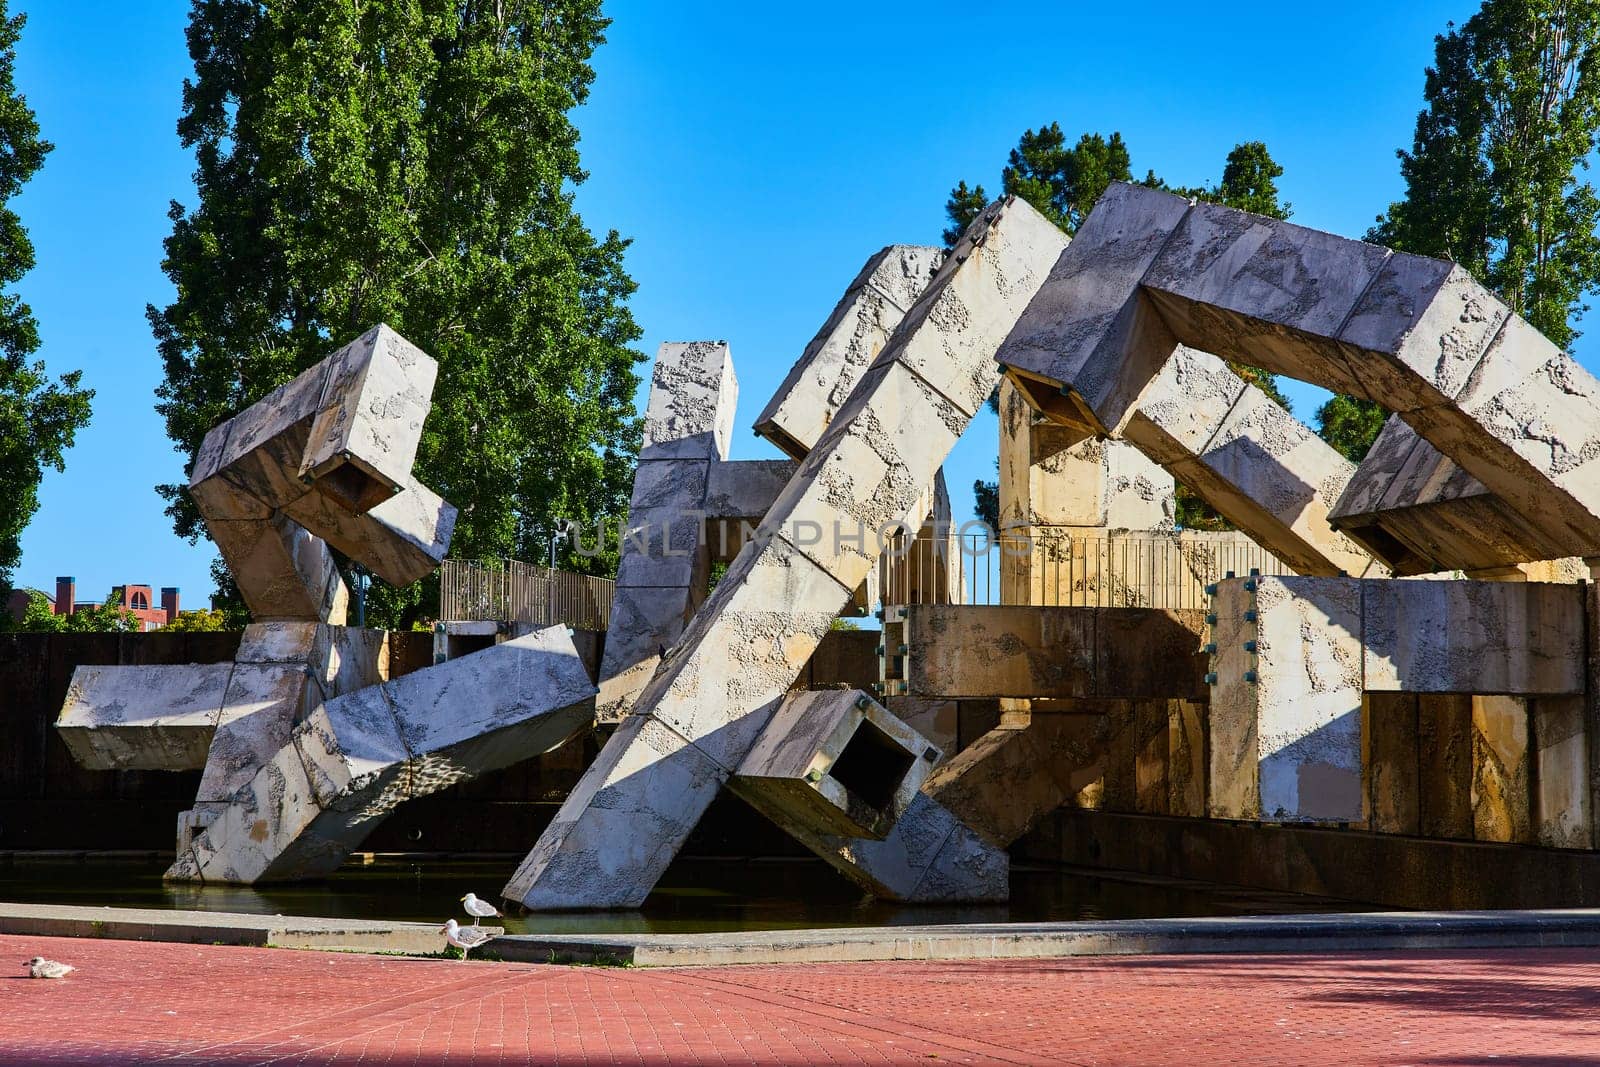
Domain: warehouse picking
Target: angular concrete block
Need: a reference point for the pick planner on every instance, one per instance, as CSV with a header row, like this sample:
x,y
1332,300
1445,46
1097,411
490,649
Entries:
x,y
693,393
1473,637
1088,327
1502,801
744,489
363,440
644,622
857,330
158,718
839,759
1563,815
283,572
1286,706
263,702
401,540
355,758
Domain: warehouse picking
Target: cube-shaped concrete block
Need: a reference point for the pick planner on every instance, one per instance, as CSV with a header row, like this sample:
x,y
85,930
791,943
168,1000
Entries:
x,y
364,437
259,450
157,718
839,758
623,823
950,336
693,393
744,489
1184,405
857,330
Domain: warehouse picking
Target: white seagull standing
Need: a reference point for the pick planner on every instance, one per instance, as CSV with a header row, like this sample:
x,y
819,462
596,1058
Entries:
x,y
39,967
479,909
465,938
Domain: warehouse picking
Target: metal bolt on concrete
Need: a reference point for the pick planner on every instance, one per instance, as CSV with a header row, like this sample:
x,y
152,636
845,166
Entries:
x,y
134,1003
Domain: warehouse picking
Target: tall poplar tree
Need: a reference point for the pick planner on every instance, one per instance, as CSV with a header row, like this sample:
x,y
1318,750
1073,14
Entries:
x,y
410,162
1494,178
39,416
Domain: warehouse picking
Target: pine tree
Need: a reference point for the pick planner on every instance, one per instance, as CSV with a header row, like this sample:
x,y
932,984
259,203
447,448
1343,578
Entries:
x,y
38,416
410,162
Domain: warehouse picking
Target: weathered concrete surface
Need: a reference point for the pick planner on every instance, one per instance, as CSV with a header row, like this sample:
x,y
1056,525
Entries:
x,y
974,651
1188,761
158,718
1390,778
1472,637
695,721
1444,758
1246,456
358,756
1149,271
1418,511
331,450
859,327
666,555
837,760
1286,706
1563,815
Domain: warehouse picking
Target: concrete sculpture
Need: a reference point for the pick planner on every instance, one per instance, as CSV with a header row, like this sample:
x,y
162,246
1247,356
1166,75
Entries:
x,y
714,693
304,742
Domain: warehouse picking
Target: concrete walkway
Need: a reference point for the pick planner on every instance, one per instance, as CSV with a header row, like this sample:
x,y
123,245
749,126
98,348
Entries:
x,y
1350,932
137,1003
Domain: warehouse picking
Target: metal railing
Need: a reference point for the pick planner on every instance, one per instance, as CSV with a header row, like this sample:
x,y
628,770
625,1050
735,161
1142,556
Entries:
x,y
1067,569
504,590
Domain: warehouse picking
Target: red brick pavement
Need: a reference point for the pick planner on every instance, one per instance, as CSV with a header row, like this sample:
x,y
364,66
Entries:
x,y
195,1004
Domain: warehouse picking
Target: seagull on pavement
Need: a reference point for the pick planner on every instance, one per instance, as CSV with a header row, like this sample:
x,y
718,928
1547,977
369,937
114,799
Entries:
x,y
465,938
479,909
39,967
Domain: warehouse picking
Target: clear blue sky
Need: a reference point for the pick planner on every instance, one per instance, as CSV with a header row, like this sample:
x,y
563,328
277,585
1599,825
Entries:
x,y
756,154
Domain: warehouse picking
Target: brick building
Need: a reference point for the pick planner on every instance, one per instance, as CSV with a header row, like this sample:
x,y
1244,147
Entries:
x,y
137,600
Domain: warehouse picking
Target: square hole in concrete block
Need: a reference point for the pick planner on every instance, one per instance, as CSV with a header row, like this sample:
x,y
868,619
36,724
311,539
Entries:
x,y
872,765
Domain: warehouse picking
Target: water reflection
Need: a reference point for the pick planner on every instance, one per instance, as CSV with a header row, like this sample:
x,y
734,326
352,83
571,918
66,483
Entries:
x,y
694,896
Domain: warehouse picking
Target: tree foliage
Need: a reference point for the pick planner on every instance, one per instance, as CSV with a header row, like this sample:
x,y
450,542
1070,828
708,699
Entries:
x,y
39,416
1493,179
410,162
204,621
1064,183
39,617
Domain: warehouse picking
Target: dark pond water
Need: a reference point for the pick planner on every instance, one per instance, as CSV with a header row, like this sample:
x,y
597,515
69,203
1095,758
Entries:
x,y
694,896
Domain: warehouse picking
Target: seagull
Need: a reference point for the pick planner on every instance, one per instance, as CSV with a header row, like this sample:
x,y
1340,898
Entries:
x,y
39,967
466,939
479,909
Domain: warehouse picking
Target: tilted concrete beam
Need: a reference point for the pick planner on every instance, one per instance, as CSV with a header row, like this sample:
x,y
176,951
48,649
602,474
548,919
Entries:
x,y
357,757
666,557
1419,512
861,324
696,720
1149,271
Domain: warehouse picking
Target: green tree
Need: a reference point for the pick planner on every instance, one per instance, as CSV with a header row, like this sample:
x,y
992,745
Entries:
x,y
1493,179
206,620
410,162
40,617
38,416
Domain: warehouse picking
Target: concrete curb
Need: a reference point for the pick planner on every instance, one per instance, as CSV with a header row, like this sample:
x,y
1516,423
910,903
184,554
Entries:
x,y
1366,931
1362,931
220,928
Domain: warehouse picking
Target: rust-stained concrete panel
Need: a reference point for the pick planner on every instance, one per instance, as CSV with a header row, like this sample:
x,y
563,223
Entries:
x,y
972,651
